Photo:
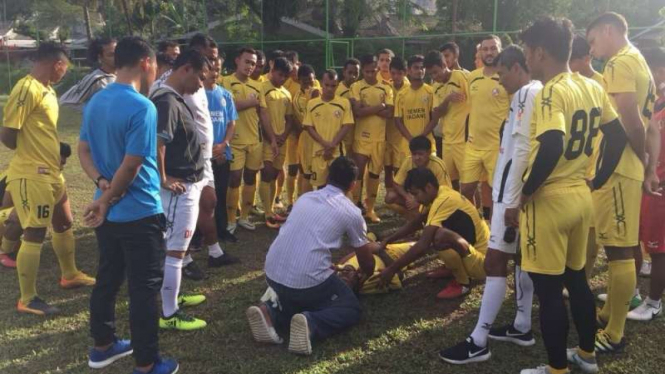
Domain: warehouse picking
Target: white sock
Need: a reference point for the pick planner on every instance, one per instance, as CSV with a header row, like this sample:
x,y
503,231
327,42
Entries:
x,y
524,295
495,292
171,285
215,250
653,303
187,260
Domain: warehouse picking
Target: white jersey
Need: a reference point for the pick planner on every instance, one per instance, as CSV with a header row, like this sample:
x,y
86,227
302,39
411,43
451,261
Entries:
x,y
515,145
198,104
81,92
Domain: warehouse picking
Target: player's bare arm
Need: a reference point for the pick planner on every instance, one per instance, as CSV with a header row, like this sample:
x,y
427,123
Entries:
x,y
627,106
8,137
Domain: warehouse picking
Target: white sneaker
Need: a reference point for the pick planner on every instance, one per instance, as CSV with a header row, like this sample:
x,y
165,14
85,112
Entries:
x,y
261,332
645,312
645,270
602,297
299,342
245,224
542,369
231,227
587,365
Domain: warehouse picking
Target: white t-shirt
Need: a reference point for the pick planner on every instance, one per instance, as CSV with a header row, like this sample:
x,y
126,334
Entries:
x,y
515,144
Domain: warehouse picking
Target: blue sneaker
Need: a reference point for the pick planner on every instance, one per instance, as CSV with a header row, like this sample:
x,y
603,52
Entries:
x,y
162,366
118,350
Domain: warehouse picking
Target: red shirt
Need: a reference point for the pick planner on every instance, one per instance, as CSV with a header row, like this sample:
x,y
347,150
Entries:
x,y
659,110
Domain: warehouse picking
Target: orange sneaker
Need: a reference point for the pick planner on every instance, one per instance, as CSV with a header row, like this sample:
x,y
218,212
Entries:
x,y
272,223
278,218
80,280
8,260
440,273
453,290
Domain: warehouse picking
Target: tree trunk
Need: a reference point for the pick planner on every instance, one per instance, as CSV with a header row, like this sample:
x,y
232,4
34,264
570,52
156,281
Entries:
x,y
125,9
86,17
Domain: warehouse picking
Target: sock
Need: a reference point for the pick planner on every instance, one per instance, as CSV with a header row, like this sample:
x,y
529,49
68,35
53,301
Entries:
x,y
453,262
623,285
215,250
171,285
187,260
266,197
557,371
524,296
27,265
247,199
585,354
606,310
652,303
356,192
637,292
64,245
8,246
372,190
232,197
279,186
493,295
290,188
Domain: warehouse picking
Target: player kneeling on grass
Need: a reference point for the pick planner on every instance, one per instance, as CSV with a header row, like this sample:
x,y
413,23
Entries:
x,y
181,165
304,292
348,269
447,208
421,157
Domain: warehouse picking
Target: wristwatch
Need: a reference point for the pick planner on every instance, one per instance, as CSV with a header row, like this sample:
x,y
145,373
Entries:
x,y
99,178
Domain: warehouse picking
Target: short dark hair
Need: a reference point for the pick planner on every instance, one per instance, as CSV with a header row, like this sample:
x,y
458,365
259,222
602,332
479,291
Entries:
x,y
418,178
283,65
420,143
450,46
96,48
366,60
342,172
554,35
512,55
385,51
609,18
202,41
655,57
65,150
330,73
491,37
433,58
51,51
305,70
275,54
580,48
351,61
249,50
130,50
164,59
164,45
292,56
192,57
260,55
414,59
398,63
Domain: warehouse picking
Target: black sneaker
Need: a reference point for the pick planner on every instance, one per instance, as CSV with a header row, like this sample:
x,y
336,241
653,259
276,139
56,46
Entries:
x,y
193,272
225,259
227,237
508,333
465,352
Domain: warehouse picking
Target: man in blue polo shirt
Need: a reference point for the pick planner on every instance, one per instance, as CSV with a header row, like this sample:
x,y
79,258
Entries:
x,y
117,150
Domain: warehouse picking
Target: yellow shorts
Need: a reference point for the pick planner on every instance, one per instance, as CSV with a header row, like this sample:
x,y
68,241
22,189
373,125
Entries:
x,y
471,266
277,161
453,158
292,149
617,211
476,163
371,286
394,155
374,150
248,156
554,228
35,201
305,152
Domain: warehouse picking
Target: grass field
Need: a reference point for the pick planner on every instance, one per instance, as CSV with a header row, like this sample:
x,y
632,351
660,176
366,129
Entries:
x,y
399,333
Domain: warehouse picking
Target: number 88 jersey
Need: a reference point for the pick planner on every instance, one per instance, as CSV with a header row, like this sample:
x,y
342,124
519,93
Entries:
x,y
579,108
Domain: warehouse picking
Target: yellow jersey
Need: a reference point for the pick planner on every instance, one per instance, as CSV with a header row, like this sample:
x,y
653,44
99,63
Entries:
x,y
578,107
343,90
32,109
327,118
453,123
414,107
598,78
247,126
262,78
453,211
300,100
371,128
277,100
435,164
383,79
393,136
293,86
489,104
628,72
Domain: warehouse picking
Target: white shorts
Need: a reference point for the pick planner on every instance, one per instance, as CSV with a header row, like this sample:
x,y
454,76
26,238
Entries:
x,y
208,176
182,212
498,229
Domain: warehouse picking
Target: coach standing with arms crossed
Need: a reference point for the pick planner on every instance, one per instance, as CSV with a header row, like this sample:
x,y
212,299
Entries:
x,y
117,148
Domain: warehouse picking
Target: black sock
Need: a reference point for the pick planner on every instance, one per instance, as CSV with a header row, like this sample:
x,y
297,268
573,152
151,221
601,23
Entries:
x,y
553,317
582,307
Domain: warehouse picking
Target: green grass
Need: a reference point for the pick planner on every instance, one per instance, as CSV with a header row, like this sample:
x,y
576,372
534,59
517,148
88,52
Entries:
x,y
399,333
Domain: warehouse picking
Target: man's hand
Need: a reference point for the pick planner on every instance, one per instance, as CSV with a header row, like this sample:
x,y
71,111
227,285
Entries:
x,y
219,152
651,184
95,213
411,203
174,185
275,149
512,217
386,276
328,152
103,184
253,100
281,139
524,199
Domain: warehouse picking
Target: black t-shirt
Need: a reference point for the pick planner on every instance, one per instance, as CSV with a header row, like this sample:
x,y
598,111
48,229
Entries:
x,y
176,126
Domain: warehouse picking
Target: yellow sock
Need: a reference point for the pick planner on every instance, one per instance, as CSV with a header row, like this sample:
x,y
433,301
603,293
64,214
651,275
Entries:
x,y
585,354
606,310
248,195
232,197
27,265
591,253
623,281
372,190
8,246
64,246
557,371
290,189
474,264
266,197
454,263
